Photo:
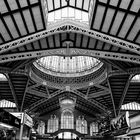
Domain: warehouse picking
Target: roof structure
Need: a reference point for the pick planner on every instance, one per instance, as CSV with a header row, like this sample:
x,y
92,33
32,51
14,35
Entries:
x,y
112,35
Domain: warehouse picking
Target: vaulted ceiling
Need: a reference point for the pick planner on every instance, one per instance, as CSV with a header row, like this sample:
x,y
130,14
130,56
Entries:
x,y
113,37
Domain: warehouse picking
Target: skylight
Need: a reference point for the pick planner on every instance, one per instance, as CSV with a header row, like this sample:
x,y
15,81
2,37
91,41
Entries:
x,y
2,77
68,13
131,106
7,104
136,78
68,66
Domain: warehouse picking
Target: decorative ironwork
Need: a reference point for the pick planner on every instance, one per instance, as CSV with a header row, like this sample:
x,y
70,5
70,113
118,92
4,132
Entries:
x,y
70,26
73,52
74,82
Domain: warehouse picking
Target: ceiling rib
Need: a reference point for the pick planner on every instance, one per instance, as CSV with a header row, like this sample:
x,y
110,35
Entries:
x,y
69,26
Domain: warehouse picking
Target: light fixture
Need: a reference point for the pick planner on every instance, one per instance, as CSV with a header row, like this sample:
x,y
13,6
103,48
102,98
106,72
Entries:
x,y
67,0
5,125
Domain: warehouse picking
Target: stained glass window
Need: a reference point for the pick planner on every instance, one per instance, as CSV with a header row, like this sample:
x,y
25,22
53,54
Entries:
x,y
67,119
52,124
81,125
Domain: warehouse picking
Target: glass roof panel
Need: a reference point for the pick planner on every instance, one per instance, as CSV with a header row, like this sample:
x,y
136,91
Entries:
x,y
136,78
7,104
68,13
131,106
68,66
2,77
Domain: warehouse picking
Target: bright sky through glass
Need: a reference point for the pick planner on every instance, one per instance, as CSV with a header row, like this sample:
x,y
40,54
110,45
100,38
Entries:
x,y
68,13
131,106
7,104
136,78
76,65
2,77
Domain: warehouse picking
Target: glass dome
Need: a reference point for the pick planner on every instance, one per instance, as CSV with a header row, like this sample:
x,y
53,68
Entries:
x,y
68,66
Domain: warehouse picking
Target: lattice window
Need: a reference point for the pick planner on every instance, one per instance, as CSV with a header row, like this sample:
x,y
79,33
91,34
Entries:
x,y
67,120
94,129
81,125
52,124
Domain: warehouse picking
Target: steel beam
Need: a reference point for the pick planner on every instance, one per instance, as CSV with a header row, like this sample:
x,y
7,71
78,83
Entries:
x,y
48,93
111,94
35,85
34,105
16,67
24,95
128,71
87,93
124,93
97,94
102,87
13,91
8,70
37,93
92,101
70,26
73,52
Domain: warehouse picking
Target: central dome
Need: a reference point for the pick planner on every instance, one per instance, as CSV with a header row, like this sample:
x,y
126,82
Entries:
x,y
73,66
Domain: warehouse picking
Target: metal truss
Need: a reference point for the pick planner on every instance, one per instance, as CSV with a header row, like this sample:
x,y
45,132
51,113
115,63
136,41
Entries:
x,y
124,92
97,94
8,70
93,53
70,26
127,71
37,93
13,91
24,95
92,101
34,105
112,99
